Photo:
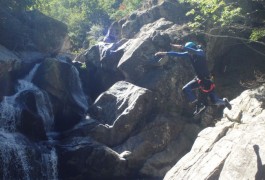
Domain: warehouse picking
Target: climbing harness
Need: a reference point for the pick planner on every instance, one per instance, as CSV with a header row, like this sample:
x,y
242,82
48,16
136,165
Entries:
x,y
202,85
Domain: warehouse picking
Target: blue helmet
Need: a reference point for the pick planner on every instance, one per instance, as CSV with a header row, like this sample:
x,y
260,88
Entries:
x,y
191,45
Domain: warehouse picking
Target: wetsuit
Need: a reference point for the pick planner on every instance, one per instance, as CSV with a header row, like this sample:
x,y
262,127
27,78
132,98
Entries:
x,y
198,61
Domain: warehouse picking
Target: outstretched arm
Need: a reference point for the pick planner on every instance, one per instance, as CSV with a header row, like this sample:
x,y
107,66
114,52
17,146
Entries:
x,y
187,50
177,54
198,52
160,53
172,53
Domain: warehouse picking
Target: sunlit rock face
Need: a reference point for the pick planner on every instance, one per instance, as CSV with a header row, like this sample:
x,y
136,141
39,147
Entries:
x,y
118,112
127,121
150,139
233,149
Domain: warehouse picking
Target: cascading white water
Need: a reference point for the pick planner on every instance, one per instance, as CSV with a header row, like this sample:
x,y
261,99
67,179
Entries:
x,y
77,91
31,73
44,108
12,152
10,113
50,161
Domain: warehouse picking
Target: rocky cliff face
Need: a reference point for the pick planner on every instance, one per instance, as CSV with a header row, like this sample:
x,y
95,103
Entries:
x,y
233,149
123,115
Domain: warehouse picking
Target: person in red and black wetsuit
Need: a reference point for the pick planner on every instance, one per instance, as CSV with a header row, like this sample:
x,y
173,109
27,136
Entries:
x,y
203,80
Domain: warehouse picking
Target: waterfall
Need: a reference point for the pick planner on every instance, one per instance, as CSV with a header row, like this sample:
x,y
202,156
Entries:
x,y
50,162
13,156
10,112
31,73
15,159
77,90
44,107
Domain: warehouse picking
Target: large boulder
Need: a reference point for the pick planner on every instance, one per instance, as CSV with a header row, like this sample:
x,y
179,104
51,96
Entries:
x,y
84,158
150,150
141,67
156,147
31,30
120,110
100,71
31,123
150,145
61,81
233,149
130,26
138,54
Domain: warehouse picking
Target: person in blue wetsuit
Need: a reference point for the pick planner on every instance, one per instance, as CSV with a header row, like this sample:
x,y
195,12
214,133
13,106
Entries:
x,y
202,81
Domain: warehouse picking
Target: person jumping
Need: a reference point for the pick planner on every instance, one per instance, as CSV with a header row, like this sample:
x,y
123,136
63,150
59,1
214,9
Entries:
x,y
202,81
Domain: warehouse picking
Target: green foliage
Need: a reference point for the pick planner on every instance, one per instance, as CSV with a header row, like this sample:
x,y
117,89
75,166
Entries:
x,y
79,15
214,13
242,16
231,15
125,8
87,20
83,66
15,5
121,8
257,34
95,34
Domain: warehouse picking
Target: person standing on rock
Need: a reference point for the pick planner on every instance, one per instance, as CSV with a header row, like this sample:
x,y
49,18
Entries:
x,y
202,81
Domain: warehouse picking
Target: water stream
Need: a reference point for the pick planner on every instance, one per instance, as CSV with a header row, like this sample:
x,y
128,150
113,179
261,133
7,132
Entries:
x,y
77,90
16,160
13,155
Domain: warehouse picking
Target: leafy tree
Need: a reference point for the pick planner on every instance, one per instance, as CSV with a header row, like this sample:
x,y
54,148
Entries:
x,y
79,15
257,34
86,17
209,13
15,5
95,34
121,8
226,14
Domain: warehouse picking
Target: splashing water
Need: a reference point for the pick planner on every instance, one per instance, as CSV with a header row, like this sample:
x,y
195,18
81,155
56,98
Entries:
x,y
77,90
51,161
44,108
31,73
15,161
13,156
10,112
